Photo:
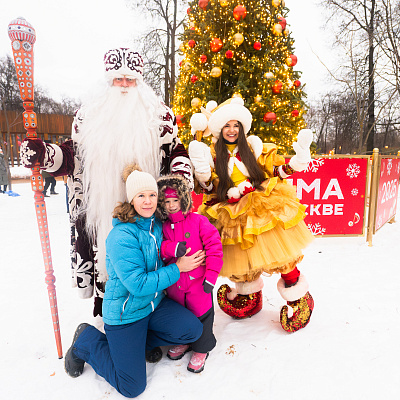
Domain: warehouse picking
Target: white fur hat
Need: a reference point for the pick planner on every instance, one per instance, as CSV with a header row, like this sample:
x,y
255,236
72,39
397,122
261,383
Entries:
x,y
231,109
123,62
139,181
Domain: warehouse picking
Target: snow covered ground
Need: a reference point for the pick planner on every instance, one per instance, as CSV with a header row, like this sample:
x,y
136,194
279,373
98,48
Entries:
x,y
350,349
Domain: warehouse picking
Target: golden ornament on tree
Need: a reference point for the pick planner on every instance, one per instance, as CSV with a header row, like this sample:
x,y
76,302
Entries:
x,y
258,98
196,102
238,38
216,72
277,29
223,3
269,75
276,3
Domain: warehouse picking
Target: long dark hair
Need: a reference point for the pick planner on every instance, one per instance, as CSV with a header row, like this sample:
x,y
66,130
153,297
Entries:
x,y
257,175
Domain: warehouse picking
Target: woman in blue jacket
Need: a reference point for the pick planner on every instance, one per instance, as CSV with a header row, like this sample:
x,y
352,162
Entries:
x,y
137,316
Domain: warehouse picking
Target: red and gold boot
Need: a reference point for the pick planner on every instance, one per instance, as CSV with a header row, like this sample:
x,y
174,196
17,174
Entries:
x,y
299,298
242,305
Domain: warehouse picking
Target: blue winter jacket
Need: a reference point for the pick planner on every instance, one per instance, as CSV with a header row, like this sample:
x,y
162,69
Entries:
x,y
136,274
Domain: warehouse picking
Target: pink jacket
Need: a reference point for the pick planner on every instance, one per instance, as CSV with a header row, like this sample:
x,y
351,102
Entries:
x,y
199,234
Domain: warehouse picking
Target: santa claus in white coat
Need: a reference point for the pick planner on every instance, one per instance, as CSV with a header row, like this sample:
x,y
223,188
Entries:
x,y
127,123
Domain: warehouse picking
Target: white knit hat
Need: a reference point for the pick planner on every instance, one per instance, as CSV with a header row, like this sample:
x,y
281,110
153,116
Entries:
x,y
231,109
139,181
123,62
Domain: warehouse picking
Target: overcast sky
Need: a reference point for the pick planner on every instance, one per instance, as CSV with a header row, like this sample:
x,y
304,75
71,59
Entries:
x,y
73,35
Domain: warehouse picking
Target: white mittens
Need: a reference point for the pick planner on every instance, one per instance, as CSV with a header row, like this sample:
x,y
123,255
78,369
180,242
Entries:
x,y
299,162
200,156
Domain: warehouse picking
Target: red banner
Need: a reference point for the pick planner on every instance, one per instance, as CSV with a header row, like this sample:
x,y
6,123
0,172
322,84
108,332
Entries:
x,y
387,191
334,192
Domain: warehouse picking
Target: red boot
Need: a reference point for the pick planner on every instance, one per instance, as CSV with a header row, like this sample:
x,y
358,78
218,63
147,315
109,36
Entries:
x,y
242,306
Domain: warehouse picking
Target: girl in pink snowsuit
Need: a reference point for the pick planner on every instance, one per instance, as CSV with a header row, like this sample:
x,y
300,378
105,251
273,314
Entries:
x,y
185,231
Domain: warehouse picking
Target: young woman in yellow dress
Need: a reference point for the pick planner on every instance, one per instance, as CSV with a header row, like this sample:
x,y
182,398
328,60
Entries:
x,y
256,211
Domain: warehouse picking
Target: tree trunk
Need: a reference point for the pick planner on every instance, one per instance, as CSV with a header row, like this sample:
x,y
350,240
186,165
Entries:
x,y
371,84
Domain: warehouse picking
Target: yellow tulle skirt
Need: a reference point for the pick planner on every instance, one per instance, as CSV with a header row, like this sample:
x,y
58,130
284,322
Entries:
x,y
263,232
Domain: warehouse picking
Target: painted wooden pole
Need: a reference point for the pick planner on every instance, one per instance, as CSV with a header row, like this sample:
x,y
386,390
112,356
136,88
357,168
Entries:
x,y
23,37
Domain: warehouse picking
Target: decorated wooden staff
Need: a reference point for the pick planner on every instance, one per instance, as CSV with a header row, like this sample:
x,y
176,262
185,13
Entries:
x,y
23,37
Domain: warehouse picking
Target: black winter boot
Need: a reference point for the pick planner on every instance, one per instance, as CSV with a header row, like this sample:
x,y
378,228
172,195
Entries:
x,y
73,365
154,355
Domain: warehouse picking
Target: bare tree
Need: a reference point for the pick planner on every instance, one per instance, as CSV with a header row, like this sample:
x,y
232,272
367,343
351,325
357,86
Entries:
x,y
366,74
158,44
389,35
356,20
47,105
9,89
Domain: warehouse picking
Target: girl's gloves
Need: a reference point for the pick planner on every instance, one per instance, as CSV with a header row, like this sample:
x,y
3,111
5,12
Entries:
x,y
180,249
208,286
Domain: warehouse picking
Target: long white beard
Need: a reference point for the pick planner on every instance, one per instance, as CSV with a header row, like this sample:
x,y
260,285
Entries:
x,y
118,129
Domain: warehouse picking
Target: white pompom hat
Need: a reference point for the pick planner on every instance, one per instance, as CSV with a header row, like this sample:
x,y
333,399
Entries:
x,y
139,181
231,109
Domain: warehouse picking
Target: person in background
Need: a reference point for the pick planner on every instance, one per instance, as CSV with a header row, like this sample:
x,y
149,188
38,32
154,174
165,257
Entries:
x,y
184,230
137,315
3,173
49,181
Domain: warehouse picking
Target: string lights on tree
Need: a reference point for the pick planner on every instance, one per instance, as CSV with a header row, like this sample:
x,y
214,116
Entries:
x,y
241,48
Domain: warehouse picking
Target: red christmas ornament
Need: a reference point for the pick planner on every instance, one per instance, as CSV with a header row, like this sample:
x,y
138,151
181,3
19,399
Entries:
x,y
291,61
282,22
180,64
229,54
203,58
188,10
296,83
203,4
239,12
179,120
257,45
277,87
270,116
216,45
194,78
192,28
295,113
191,43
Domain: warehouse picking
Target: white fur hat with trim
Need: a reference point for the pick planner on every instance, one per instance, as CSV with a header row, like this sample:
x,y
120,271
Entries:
x,y
231,109
123,62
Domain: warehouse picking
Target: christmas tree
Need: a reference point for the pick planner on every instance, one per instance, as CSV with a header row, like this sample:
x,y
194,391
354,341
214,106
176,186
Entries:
x,y
241,49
